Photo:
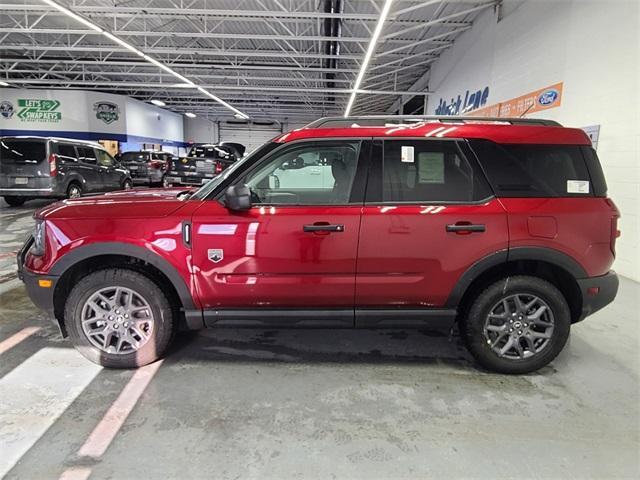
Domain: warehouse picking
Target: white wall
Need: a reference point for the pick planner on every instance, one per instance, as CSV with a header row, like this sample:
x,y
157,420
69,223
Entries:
x,y
593,46
77,114
144,120
200,130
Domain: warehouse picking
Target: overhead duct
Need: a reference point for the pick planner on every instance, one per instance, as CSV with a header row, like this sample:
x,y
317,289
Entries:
x,y
332,28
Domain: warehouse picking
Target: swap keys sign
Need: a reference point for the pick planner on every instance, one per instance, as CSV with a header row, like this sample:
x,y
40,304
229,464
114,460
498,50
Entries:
x,y
34,110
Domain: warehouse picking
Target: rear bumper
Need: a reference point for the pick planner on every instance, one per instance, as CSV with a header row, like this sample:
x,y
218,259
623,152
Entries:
x,y
175,179
29,192
149,177
597,293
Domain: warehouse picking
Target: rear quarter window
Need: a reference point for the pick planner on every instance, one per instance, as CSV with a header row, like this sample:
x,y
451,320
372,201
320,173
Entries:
x,y
516,170
22,151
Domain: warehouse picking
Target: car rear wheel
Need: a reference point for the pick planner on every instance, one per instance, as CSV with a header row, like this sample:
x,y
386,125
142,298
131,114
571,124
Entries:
x,y
127,184
517,325
165,182
15,201
119,318
74,190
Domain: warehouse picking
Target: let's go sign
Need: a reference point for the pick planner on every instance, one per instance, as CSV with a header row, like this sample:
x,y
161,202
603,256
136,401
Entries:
x,y
35,110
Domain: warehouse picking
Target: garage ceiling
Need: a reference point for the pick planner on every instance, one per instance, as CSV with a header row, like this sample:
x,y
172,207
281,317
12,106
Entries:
x,y
271,59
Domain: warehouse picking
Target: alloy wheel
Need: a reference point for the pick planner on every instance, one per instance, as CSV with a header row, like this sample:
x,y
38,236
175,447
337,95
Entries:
x,y
74,191
519,326
117,320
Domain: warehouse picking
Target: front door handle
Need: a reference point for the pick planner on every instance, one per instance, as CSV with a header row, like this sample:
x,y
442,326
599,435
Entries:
x,y
465,227
323,227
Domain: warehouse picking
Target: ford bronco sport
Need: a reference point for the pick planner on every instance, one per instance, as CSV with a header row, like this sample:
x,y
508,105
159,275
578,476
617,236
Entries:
x,y
501,226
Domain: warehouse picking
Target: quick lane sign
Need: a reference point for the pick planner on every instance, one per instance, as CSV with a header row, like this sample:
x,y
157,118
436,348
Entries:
x,y
34,110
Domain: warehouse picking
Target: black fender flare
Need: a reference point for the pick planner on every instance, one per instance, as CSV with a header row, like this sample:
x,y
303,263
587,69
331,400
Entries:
x,y
125,249
544,254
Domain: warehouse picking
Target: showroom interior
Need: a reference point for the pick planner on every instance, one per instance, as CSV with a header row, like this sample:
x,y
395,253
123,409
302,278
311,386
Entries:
x,y
142,110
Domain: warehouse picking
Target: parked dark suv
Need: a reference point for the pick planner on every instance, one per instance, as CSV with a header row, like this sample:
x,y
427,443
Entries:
x,y
499,226
147,168
39,167
203,163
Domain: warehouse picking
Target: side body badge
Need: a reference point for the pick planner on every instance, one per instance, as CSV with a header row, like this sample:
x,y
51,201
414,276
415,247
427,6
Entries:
x,y
215,254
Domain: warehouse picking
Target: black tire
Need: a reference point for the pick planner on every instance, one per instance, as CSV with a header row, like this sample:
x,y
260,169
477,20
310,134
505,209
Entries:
x,y
74,190
472,326
165,183
127,184
15,201
163,327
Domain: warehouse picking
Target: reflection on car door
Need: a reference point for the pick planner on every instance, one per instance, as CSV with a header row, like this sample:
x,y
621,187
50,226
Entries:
x,y
295,248
429,214
88,168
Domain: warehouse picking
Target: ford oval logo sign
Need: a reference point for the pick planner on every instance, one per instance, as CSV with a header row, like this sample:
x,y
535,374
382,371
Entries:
x,y
548,97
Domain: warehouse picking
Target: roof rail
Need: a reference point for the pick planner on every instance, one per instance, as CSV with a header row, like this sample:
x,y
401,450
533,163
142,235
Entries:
x,y
382,120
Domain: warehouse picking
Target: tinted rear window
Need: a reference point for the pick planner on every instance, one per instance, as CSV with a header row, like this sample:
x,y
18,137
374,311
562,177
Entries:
x,y
208,152
22,151
534,170
133,157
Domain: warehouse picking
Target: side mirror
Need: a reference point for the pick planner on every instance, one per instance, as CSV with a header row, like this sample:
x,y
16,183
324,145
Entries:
x,y
238,198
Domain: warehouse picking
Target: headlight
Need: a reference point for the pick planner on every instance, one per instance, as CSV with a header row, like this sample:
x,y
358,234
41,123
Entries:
x,y
38,239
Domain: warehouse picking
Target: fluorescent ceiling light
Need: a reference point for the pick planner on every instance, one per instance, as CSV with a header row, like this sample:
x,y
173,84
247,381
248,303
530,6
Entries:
x,y
367,57
183,85
186,83
3,84
73,15
190,115
159,103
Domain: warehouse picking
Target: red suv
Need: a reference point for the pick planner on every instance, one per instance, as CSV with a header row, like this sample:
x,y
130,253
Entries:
x,y
500,226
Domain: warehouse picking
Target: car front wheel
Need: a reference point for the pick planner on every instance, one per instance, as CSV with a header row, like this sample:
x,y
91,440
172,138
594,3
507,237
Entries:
x,y
517,325
119,318
127,184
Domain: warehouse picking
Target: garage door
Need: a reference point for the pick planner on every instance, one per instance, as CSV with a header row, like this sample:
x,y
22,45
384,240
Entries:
x,y
249,134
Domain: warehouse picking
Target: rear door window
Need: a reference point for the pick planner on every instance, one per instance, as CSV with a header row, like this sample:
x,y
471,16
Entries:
x,y
86,155
20,151
421,171
516,170
67,152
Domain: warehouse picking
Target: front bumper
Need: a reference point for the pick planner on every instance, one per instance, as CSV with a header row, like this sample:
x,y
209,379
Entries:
x,y
41,296
597,293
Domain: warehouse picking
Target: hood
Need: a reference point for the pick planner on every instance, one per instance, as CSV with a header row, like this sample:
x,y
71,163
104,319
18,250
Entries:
x,y
137,203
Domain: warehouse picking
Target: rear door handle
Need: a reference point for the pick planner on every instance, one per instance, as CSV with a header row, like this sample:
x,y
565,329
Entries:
x,y
323,227
461,227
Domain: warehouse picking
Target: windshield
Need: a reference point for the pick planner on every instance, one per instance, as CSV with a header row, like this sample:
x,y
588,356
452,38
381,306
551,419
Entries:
x,y
204,191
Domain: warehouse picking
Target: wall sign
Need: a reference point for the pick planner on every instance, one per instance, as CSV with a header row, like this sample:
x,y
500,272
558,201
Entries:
x,y
593,131
108,112
33,110
541,99
6,109
458,106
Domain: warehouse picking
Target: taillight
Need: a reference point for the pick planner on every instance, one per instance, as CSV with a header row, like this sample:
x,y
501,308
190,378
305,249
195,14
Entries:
x,y
615,233
53,165
218,167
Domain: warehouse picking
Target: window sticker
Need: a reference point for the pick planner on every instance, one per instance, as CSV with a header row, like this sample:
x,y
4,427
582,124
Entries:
x,y
406,154
577,186
431,167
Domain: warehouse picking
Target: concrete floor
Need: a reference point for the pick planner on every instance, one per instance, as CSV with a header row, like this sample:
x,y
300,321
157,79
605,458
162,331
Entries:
x,y
316,404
